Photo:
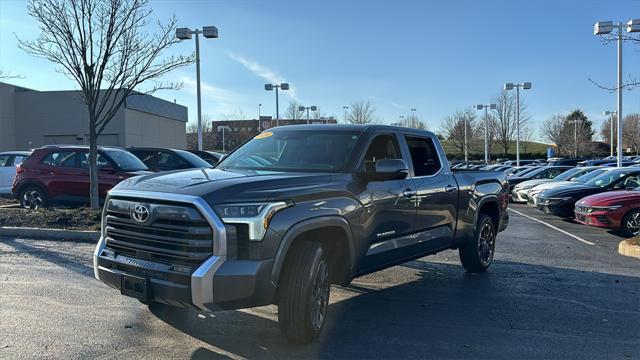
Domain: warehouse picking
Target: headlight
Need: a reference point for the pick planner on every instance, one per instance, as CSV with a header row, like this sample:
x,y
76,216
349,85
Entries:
x,y
603,208
256,215
554,201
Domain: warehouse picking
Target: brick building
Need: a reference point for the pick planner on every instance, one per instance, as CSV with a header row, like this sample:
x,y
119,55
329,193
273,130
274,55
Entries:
x,y
238,131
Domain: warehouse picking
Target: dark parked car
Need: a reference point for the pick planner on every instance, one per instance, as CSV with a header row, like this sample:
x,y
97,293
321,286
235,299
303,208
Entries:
x,y
211,157
168,159
564,162
544,172
61,174
561,201
522,162
292,211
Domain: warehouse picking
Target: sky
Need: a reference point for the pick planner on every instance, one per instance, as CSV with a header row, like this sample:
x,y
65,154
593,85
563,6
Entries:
x,y
434,56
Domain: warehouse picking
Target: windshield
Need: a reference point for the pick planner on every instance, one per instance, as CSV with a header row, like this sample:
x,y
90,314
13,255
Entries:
x,y
567,175
125,160
607,178
522,172
294,150
590,175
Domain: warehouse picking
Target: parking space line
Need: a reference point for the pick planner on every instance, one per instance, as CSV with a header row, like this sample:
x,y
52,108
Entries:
x,y
553,227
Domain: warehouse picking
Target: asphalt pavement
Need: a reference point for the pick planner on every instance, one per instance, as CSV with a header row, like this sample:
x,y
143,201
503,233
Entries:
x,y
555,290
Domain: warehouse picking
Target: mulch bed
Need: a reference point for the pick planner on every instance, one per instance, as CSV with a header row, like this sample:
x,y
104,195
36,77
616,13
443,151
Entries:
x,y
70,219
6,200
635,241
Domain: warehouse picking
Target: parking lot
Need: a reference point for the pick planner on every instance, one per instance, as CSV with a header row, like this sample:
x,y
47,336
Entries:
x,y
547,295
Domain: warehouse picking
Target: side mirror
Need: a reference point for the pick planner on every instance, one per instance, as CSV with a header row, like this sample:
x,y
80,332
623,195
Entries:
x,y
387,169
619,186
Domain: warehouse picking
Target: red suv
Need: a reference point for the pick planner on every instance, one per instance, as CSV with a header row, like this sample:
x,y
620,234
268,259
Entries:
x,y
60,173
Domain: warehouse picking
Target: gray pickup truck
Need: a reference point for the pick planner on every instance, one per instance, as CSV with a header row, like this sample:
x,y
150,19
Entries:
x,y
290,212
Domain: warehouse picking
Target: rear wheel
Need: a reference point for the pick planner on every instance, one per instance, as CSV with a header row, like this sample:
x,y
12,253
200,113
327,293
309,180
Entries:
x,y
33,197
304,294
476,255
631,223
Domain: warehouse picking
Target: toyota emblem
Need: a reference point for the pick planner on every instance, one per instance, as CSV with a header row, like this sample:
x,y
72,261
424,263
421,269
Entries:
x,y
140,213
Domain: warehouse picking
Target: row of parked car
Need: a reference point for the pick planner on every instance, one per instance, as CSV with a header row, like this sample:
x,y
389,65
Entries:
x,y
60,173
592,193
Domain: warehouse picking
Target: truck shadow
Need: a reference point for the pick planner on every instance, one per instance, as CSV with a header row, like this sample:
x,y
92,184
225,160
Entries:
x,y
514,311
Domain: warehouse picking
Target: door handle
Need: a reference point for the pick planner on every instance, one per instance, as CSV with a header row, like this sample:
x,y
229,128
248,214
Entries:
x,y
409,193
450,188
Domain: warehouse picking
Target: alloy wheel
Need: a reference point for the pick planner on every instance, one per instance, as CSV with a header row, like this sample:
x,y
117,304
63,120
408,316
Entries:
x,y
486,244
32,199
320,298
633,223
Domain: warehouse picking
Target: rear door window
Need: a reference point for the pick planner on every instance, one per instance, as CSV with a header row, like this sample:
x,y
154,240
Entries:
x,y
4,160
424,157
19,159
61,159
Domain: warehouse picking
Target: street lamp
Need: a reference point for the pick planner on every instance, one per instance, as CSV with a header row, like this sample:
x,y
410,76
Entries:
x,y
259,108
517,86
606,27
575,134
345,108
223,128
303,108
269,87
486,129
611,114
210,32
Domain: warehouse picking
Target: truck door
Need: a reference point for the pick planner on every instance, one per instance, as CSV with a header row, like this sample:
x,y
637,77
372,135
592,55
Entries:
x,y
388,214
436,196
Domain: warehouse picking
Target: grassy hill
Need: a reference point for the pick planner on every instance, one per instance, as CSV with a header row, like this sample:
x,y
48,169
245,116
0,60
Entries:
x,y
534,150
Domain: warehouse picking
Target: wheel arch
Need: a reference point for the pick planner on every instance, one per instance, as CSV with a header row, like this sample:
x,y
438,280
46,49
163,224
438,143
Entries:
x,y
333,231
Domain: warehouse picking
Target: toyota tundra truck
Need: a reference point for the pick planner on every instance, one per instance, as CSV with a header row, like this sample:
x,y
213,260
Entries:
x,y
290,212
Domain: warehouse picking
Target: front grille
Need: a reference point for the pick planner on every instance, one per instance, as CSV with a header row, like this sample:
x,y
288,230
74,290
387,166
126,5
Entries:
x,y
172,233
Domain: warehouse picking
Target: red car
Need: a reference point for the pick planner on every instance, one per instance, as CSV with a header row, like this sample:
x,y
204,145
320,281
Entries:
x,y
619,210
60,173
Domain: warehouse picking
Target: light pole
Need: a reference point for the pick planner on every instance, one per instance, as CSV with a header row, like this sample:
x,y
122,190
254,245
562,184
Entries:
x,y
345,108
210,32
259,108
606,27
610,114
303,108
223,128
575,134
269,87
486,129
510,86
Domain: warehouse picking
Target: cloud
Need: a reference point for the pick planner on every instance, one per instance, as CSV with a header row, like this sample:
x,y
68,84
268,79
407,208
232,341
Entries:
x,y
223,100
264,72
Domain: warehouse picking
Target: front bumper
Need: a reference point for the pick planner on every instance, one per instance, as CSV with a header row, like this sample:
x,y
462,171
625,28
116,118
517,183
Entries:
x,y
519,195
563,210
216,284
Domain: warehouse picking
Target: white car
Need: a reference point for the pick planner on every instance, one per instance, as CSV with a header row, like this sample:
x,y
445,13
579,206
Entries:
x,y
8,162
535,192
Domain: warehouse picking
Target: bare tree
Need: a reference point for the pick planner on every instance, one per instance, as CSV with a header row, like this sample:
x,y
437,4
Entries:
x,y
413,121
527,135
7,75
104,47
605,129
505,119
293,111
631,132
632,81
454,129
362,112
491,132
561,130
237,114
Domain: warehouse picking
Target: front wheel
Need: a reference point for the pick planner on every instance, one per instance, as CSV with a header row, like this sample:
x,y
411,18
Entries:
x,y
631,223
476,254
304,293
33,197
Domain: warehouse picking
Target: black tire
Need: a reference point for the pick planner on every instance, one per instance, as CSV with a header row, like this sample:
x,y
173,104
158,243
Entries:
x,y
631,223
476,254
33,197
304,292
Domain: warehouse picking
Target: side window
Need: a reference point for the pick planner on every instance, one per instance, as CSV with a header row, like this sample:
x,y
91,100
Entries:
x,y
382,147
18,159
632,182
147,157
101,160
170,160
4,159
60,158
423,156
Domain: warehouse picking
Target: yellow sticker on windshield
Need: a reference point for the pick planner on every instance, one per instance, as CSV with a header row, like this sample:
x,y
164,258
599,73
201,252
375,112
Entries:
x,y
263,135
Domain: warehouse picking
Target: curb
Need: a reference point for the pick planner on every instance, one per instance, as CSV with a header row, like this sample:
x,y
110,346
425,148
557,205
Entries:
x,y
627,249
50,234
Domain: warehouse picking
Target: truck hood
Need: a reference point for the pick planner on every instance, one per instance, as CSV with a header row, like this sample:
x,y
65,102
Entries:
x,y
223,186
